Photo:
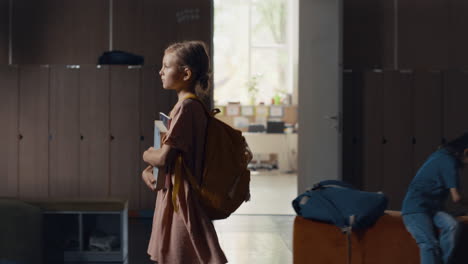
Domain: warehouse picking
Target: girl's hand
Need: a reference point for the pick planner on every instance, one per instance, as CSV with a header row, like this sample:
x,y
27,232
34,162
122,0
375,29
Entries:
x,y
147,154
148,178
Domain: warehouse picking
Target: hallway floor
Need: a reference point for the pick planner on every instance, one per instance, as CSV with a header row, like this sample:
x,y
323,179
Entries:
x,y
259,232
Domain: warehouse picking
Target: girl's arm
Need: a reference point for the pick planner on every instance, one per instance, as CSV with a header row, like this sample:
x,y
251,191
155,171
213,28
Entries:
x,y
159,157
455,195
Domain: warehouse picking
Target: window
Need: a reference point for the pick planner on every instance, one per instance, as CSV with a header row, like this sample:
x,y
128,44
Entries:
x,y
253,51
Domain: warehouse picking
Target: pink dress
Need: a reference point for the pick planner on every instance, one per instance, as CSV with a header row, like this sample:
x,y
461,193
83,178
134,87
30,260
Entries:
x,y
187,236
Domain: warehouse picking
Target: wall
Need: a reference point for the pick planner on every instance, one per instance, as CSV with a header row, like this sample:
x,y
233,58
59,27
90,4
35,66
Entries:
x,y
319,142
78,32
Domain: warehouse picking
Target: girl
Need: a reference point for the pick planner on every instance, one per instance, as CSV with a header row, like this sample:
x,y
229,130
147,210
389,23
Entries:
x,y
422,207
182,233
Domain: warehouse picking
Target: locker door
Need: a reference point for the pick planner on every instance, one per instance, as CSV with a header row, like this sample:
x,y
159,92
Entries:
x,y
455,109
128,25
34,130
455,106
94,131
397,150
149,111
458,39
87,45
352,122
423,34
125,139
372,130
59,32
427,115
4,30
388,32
64,141
9,132
156,36
40,33
362,40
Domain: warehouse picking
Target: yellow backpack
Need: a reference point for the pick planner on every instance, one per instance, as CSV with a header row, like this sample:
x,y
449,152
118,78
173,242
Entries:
x,y
225,179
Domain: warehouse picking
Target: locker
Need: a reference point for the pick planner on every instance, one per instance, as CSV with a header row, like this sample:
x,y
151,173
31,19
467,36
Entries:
x,y
4,30
127,26
125,137
362,38
94,131
352,122
427,115
34,131
64,139
397,147
458,40
149,109
158,29
389,37
423,34
87,45
37,33
455,109
9,133
58,32
372,131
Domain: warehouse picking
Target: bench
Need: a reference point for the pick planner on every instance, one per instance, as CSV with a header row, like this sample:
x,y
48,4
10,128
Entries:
x,y
387,242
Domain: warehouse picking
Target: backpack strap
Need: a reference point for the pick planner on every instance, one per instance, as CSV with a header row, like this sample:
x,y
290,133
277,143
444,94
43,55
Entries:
x,y
209,113
180,166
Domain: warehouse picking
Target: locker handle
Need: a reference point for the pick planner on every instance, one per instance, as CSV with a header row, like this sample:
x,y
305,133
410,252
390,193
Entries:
x,y
20,136
413,141
111,137
384,141
444,140
81,137
142,138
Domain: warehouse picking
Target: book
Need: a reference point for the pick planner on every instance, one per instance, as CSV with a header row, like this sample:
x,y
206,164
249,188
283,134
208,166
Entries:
x,y
159,128
165,119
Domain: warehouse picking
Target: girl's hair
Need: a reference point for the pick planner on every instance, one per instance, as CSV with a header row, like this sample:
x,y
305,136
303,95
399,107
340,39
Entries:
x,y
194,55
457,147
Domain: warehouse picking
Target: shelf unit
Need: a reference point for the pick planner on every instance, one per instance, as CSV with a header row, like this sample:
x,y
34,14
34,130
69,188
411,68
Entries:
x,y
69,226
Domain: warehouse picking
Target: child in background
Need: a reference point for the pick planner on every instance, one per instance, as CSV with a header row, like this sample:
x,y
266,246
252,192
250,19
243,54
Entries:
x,y
422,207
182,233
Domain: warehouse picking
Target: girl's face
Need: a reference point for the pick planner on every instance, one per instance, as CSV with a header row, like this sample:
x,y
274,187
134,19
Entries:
x,y
172,76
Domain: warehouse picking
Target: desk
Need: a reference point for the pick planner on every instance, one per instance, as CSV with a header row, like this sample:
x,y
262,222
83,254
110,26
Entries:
x,y
284,145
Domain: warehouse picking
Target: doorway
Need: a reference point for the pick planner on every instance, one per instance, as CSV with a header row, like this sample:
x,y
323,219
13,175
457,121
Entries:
x,y
264,72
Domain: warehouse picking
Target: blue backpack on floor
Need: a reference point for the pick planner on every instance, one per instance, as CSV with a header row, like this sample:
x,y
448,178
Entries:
x,y
339,203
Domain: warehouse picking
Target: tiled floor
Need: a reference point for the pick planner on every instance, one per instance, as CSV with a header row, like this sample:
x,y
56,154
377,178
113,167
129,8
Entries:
x,y
260,232
271,193
258,239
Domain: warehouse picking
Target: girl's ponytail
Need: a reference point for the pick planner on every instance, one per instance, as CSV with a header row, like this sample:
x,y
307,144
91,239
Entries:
x,y
203,85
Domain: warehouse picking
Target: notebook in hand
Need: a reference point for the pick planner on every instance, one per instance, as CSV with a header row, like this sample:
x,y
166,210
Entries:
x,y
159,128
165,119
